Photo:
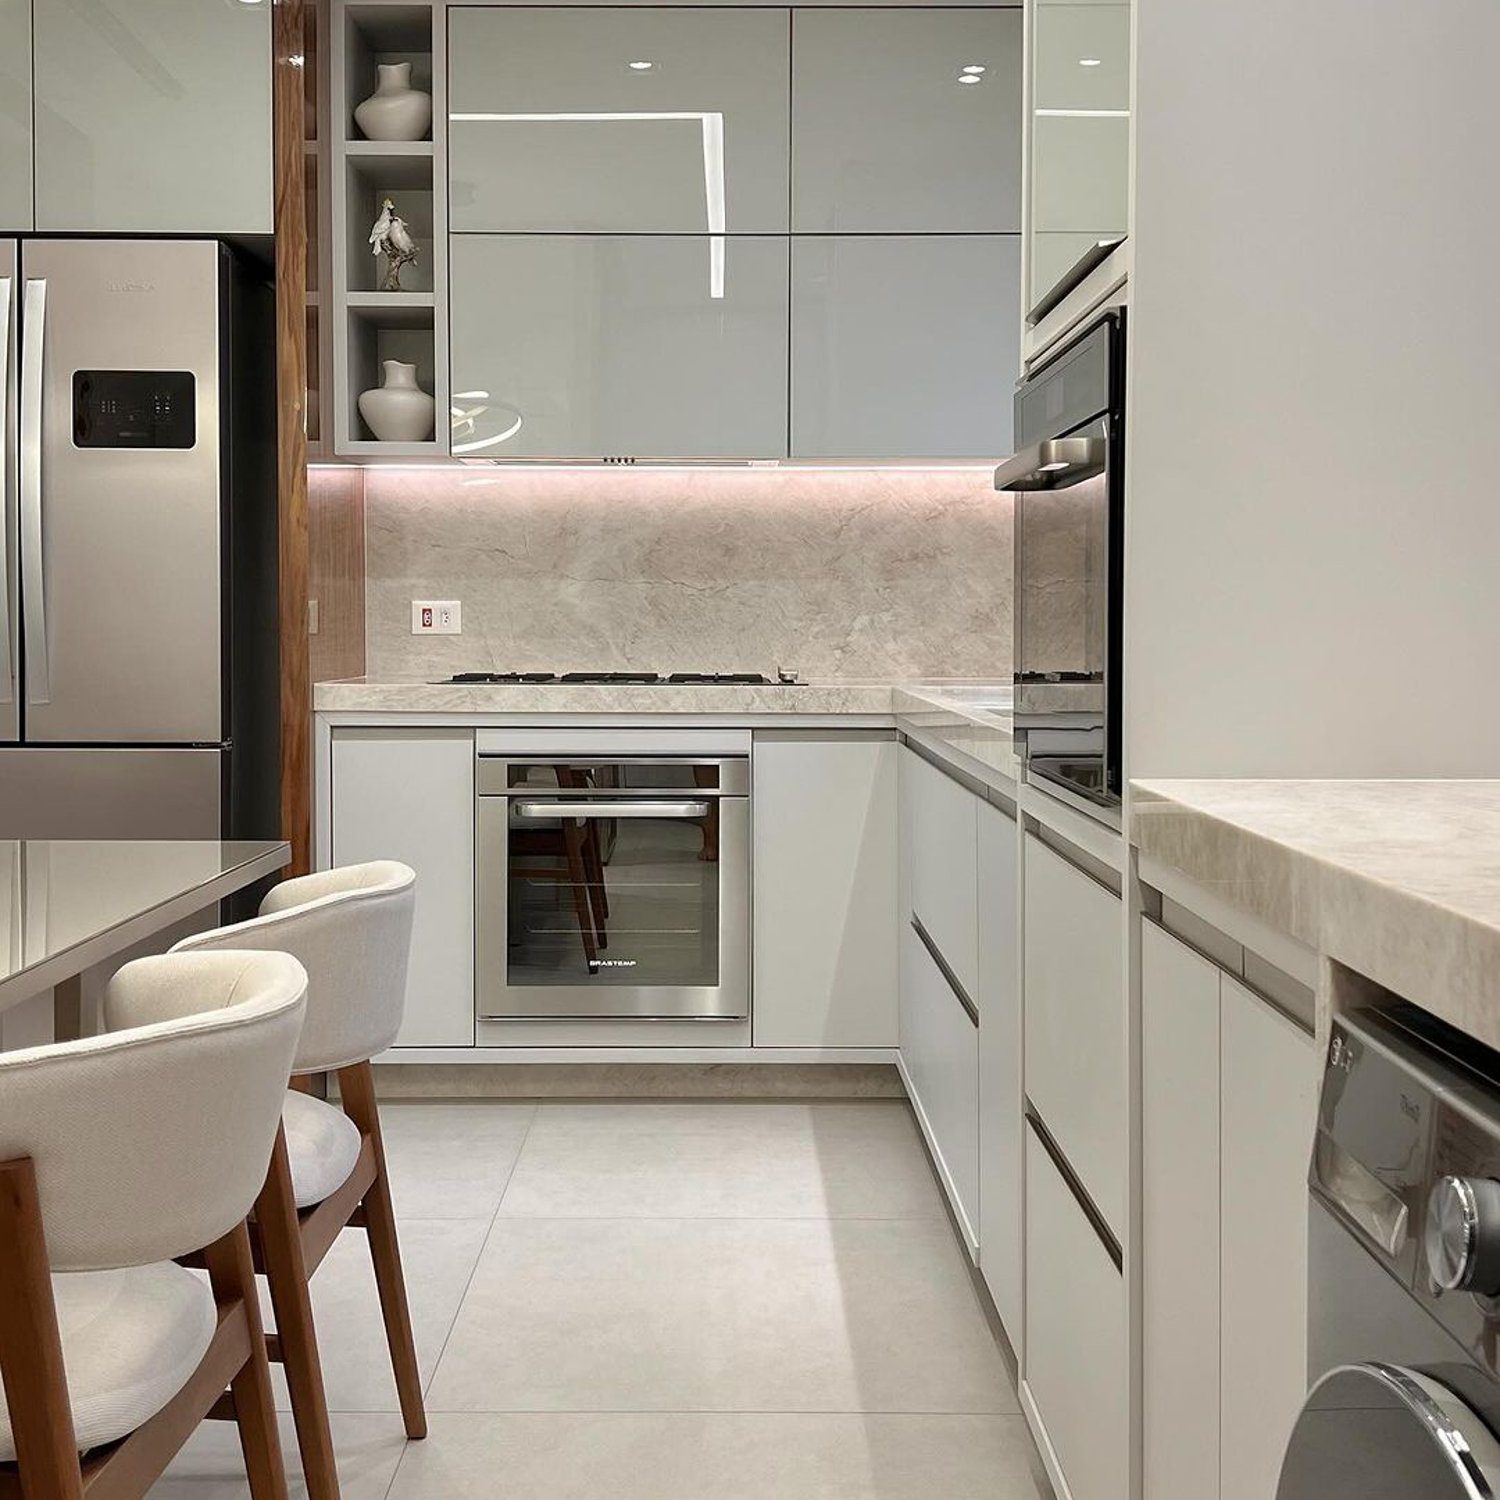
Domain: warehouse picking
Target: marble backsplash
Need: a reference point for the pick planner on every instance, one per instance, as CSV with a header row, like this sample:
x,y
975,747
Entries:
x,y
836,574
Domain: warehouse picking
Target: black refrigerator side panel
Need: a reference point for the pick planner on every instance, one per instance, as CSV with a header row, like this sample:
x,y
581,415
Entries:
x,y
251,620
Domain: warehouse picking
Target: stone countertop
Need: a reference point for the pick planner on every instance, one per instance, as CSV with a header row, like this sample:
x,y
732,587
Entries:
x,y
953,717
360,695
1397,880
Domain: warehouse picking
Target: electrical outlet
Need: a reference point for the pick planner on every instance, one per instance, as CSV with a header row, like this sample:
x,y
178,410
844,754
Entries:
x,y
436,617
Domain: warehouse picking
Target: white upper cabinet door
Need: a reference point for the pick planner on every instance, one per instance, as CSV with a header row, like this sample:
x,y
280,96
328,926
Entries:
x,y
1080,133
887,137
665,120
597,346
15,116
904,346
153,116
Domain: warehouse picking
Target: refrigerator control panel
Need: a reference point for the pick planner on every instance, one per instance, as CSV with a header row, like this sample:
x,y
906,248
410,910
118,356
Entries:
x,y
134,409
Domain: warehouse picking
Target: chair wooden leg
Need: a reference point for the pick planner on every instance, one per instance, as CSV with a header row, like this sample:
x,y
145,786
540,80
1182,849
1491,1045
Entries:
x,y
578,882
286,1272
31,1363
357,1090
232,1274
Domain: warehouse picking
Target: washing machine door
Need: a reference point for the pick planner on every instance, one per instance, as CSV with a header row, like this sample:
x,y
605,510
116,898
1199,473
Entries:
x,y
1385,1432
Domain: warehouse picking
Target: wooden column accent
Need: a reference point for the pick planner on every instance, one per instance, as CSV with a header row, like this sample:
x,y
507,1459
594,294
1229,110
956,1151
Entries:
x,y
288,37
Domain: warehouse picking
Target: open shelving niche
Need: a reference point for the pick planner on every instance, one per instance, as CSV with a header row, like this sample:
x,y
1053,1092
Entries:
x,y
369,325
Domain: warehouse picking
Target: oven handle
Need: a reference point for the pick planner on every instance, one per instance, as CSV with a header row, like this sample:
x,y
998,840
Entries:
x,y
1053,464
625,808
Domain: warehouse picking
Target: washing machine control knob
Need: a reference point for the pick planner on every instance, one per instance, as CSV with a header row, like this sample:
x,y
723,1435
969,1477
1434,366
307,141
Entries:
x,y
1462,1235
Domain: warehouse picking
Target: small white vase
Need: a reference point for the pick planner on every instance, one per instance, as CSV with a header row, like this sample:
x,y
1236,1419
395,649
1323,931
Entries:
x,y
398,410
395,111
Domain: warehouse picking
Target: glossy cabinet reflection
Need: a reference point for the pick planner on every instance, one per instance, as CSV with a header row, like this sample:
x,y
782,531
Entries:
x,y
15,116
1080,133
641,119
153,116
906,120
904,346
597,346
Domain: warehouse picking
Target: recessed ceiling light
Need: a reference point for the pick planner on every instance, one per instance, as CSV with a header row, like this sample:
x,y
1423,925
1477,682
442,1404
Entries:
x,y
970,78
1089,62
642,66
973,68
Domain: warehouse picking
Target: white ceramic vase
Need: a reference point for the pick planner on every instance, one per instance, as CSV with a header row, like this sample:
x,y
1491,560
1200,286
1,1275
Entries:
x,y
395,111
398,410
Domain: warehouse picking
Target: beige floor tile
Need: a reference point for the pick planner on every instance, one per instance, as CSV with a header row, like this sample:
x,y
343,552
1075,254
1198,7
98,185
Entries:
x,y
451,1161
730,1160
638,1456
211,1467
439,1256
722,1315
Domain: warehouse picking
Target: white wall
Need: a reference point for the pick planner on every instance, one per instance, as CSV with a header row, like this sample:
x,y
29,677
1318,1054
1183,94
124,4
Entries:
x,y
1313,512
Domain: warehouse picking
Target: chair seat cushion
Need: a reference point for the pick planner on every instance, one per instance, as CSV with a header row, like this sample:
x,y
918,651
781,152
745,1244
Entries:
x,y
131,1340
322,1145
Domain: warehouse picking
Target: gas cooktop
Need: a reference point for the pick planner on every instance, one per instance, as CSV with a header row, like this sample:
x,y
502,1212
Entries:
x,y
636,679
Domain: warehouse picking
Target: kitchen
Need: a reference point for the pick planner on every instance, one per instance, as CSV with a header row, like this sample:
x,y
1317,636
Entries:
x,y
885,828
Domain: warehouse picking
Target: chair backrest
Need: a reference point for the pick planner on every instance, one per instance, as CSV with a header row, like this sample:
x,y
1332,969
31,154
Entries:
x,y
351,928
152,1141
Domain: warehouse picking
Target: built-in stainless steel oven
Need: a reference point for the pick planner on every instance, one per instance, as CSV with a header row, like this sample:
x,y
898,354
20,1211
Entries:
x,y
1068,480
613,886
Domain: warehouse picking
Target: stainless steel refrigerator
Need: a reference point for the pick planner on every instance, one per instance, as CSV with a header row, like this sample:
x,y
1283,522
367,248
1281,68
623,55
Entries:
x,y
138,670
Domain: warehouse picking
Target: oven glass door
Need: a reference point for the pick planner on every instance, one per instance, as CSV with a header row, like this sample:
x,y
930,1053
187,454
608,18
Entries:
x,y
1065,572
614,889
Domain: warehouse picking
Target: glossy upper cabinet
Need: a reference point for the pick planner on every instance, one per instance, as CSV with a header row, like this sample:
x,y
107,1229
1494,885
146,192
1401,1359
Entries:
x,y
600,346
904,346
906,120
654,120
1080,133
153,116
15,116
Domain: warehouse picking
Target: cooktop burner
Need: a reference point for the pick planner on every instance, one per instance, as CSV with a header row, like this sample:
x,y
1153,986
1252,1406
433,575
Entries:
x,y
634,679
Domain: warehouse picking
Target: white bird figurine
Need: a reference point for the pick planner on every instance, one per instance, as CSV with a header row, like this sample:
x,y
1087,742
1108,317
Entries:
x,y
390,237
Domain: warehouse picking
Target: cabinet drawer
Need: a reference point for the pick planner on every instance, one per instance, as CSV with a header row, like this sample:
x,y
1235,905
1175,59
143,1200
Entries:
x,y
1075,1022
552,129
940,1052
1076,1368
941,819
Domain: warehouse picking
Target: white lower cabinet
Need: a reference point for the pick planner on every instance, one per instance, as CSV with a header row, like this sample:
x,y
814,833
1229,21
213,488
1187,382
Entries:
x,y
939,829
1077,1373
1001,1147
408,794
940,1056
1228,1101
1269,1071
825,891
1076,1022
1179,1219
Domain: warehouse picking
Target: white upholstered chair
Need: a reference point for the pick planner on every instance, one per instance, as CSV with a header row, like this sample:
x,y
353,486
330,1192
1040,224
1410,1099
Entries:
x,y
117,1154
351,928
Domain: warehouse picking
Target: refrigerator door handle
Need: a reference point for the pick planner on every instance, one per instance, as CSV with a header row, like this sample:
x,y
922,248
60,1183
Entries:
x,y
33,553
7,663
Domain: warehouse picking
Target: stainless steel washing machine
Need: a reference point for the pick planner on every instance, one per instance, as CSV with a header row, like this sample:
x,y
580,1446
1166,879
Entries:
x,y
1404,1270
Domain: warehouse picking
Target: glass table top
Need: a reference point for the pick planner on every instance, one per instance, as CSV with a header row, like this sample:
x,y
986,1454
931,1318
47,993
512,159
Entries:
x,y
67,904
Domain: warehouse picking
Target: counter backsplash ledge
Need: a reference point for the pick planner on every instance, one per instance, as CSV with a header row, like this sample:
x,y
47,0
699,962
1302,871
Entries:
x,y
869,574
